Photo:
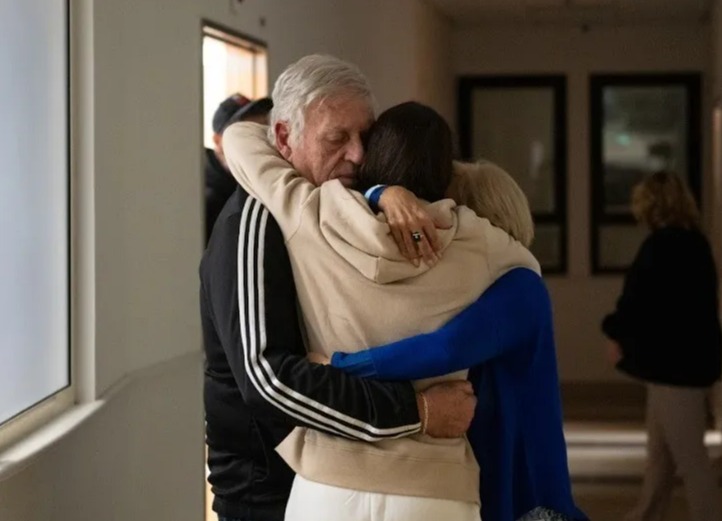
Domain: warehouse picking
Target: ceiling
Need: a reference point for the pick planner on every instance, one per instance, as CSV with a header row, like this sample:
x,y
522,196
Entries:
x,y
482,12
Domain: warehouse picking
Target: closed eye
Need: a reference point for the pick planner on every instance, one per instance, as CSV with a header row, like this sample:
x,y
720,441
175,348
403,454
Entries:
x,y
337,139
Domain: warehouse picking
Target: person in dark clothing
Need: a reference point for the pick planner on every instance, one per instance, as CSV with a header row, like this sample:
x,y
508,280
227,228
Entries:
x,y
665,331
259,383
219,184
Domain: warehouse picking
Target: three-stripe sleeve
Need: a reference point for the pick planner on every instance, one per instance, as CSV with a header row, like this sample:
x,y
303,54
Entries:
x,y
254,334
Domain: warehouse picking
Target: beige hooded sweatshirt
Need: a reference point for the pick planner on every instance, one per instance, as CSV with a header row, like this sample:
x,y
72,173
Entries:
x,y
357,290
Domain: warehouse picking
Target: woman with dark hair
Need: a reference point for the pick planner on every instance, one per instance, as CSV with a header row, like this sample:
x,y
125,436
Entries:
x,y
666,332
409,145
357,289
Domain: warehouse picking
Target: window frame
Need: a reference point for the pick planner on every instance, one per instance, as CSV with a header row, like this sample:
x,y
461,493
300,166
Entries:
x,y
692,83
467,84
42,412
229,36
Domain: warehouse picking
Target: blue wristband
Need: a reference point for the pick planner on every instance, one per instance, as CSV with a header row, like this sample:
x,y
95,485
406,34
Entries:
x,y
373,195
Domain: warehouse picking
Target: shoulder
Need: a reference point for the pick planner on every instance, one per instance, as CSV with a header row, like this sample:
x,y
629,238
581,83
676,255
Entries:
x,y
245,222
503,252
673,241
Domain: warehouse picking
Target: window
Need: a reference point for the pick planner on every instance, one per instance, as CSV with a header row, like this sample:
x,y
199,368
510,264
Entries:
x,y
640,124
519,123
35,357
231,63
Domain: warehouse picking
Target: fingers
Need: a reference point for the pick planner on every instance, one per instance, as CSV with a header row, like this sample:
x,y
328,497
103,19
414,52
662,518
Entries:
x,y
409,247
398,236
429,246
426,251
402,237
433,237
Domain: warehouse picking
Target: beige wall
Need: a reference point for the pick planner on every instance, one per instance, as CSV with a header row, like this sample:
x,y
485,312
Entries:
x,y
716,65
138,154
580,301
717,47
434,81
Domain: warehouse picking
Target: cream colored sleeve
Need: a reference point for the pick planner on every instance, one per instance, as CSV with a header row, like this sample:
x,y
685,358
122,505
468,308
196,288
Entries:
x,y
505,253
265,175
344,216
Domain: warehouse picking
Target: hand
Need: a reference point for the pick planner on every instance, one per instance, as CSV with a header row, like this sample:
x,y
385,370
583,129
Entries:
x,y
405,215
318,358
451,408
614,352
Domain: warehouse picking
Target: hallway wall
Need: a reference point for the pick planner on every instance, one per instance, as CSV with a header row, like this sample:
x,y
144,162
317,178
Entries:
x,y
716,61
138,174
580,300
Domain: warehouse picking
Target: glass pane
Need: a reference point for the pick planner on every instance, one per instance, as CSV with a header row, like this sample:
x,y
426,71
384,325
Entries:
x,y
261,64
229,68
514,128
34,348
547,246
644,130
618,245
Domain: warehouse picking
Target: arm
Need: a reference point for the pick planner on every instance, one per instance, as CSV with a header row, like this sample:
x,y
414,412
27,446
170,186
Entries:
x,y
252,308
265,175
639,283
406,214
503,319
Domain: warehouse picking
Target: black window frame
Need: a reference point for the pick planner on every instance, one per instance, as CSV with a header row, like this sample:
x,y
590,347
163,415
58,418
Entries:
x,y
558,84
692,82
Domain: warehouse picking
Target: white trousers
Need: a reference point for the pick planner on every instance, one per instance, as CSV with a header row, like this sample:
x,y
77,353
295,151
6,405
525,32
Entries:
x,y
311,501
675,426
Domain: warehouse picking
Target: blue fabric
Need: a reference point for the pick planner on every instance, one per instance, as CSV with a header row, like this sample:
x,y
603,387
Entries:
x,y
373,195
506,338
360,364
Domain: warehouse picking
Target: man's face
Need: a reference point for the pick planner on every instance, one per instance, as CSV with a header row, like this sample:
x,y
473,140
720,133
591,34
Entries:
x,y
331,143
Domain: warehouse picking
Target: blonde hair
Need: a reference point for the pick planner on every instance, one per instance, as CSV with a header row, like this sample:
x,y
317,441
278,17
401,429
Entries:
x,y
663,199
492,193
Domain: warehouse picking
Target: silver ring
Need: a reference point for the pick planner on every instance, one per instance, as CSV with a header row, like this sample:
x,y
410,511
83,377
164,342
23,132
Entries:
x,y
416,236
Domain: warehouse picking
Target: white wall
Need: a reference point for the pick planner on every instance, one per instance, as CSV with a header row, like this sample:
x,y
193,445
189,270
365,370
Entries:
x,y
138,150
580,301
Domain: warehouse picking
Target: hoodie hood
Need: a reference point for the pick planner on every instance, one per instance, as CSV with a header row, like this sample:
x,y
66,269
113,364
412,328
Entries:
x,y
364,240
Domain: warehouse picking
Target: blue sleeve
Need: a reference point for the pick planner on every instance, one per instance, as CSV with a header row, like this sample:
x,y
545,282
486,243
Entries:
x,y
504,318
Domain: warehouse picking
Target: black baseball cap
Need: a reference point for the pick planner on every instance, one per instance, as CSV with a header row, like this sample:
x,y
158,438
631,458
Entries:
x,y
238,107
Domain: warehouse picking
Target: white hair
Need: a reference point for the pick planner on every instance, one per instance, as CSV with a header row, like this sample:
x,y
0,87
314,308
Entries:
x,y
312,78
492,193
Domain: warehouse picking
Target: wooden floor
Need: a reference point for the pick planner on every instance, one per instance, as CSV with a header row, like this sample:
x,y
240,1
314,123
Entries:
x,y
606,440
610,502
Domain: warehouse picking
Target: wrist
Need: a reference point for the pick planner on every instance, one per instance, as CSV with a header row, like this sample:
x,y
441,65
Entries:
x,y
422,404
373,196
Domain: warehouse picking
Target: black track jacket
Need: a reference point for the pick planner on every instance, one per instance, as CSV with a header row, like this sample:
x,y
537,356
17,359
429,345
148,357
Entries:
x,y
258,382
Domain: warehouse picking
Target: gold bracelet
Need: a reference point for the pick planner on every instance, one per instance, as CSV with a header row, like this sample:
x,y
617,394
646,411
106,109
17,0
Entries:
x,y
425,422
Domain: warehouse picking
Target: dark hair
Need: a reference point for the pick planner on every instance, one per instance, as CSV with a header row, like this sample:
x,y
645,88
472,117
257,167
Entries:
x,y
409,145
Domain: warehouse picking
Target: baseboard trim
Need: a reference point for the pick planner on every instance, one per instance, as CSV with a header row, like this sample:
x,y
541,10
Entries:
x,y
603,401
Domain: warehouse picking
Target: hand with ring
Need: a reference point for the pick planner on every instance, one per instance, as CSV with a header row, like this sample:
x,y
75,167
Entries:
x,y
412,227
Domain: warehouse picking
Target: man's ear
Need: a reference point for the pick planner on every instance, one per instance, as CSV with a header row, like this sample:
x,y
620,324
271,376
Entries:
x,y
283,140
218,142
